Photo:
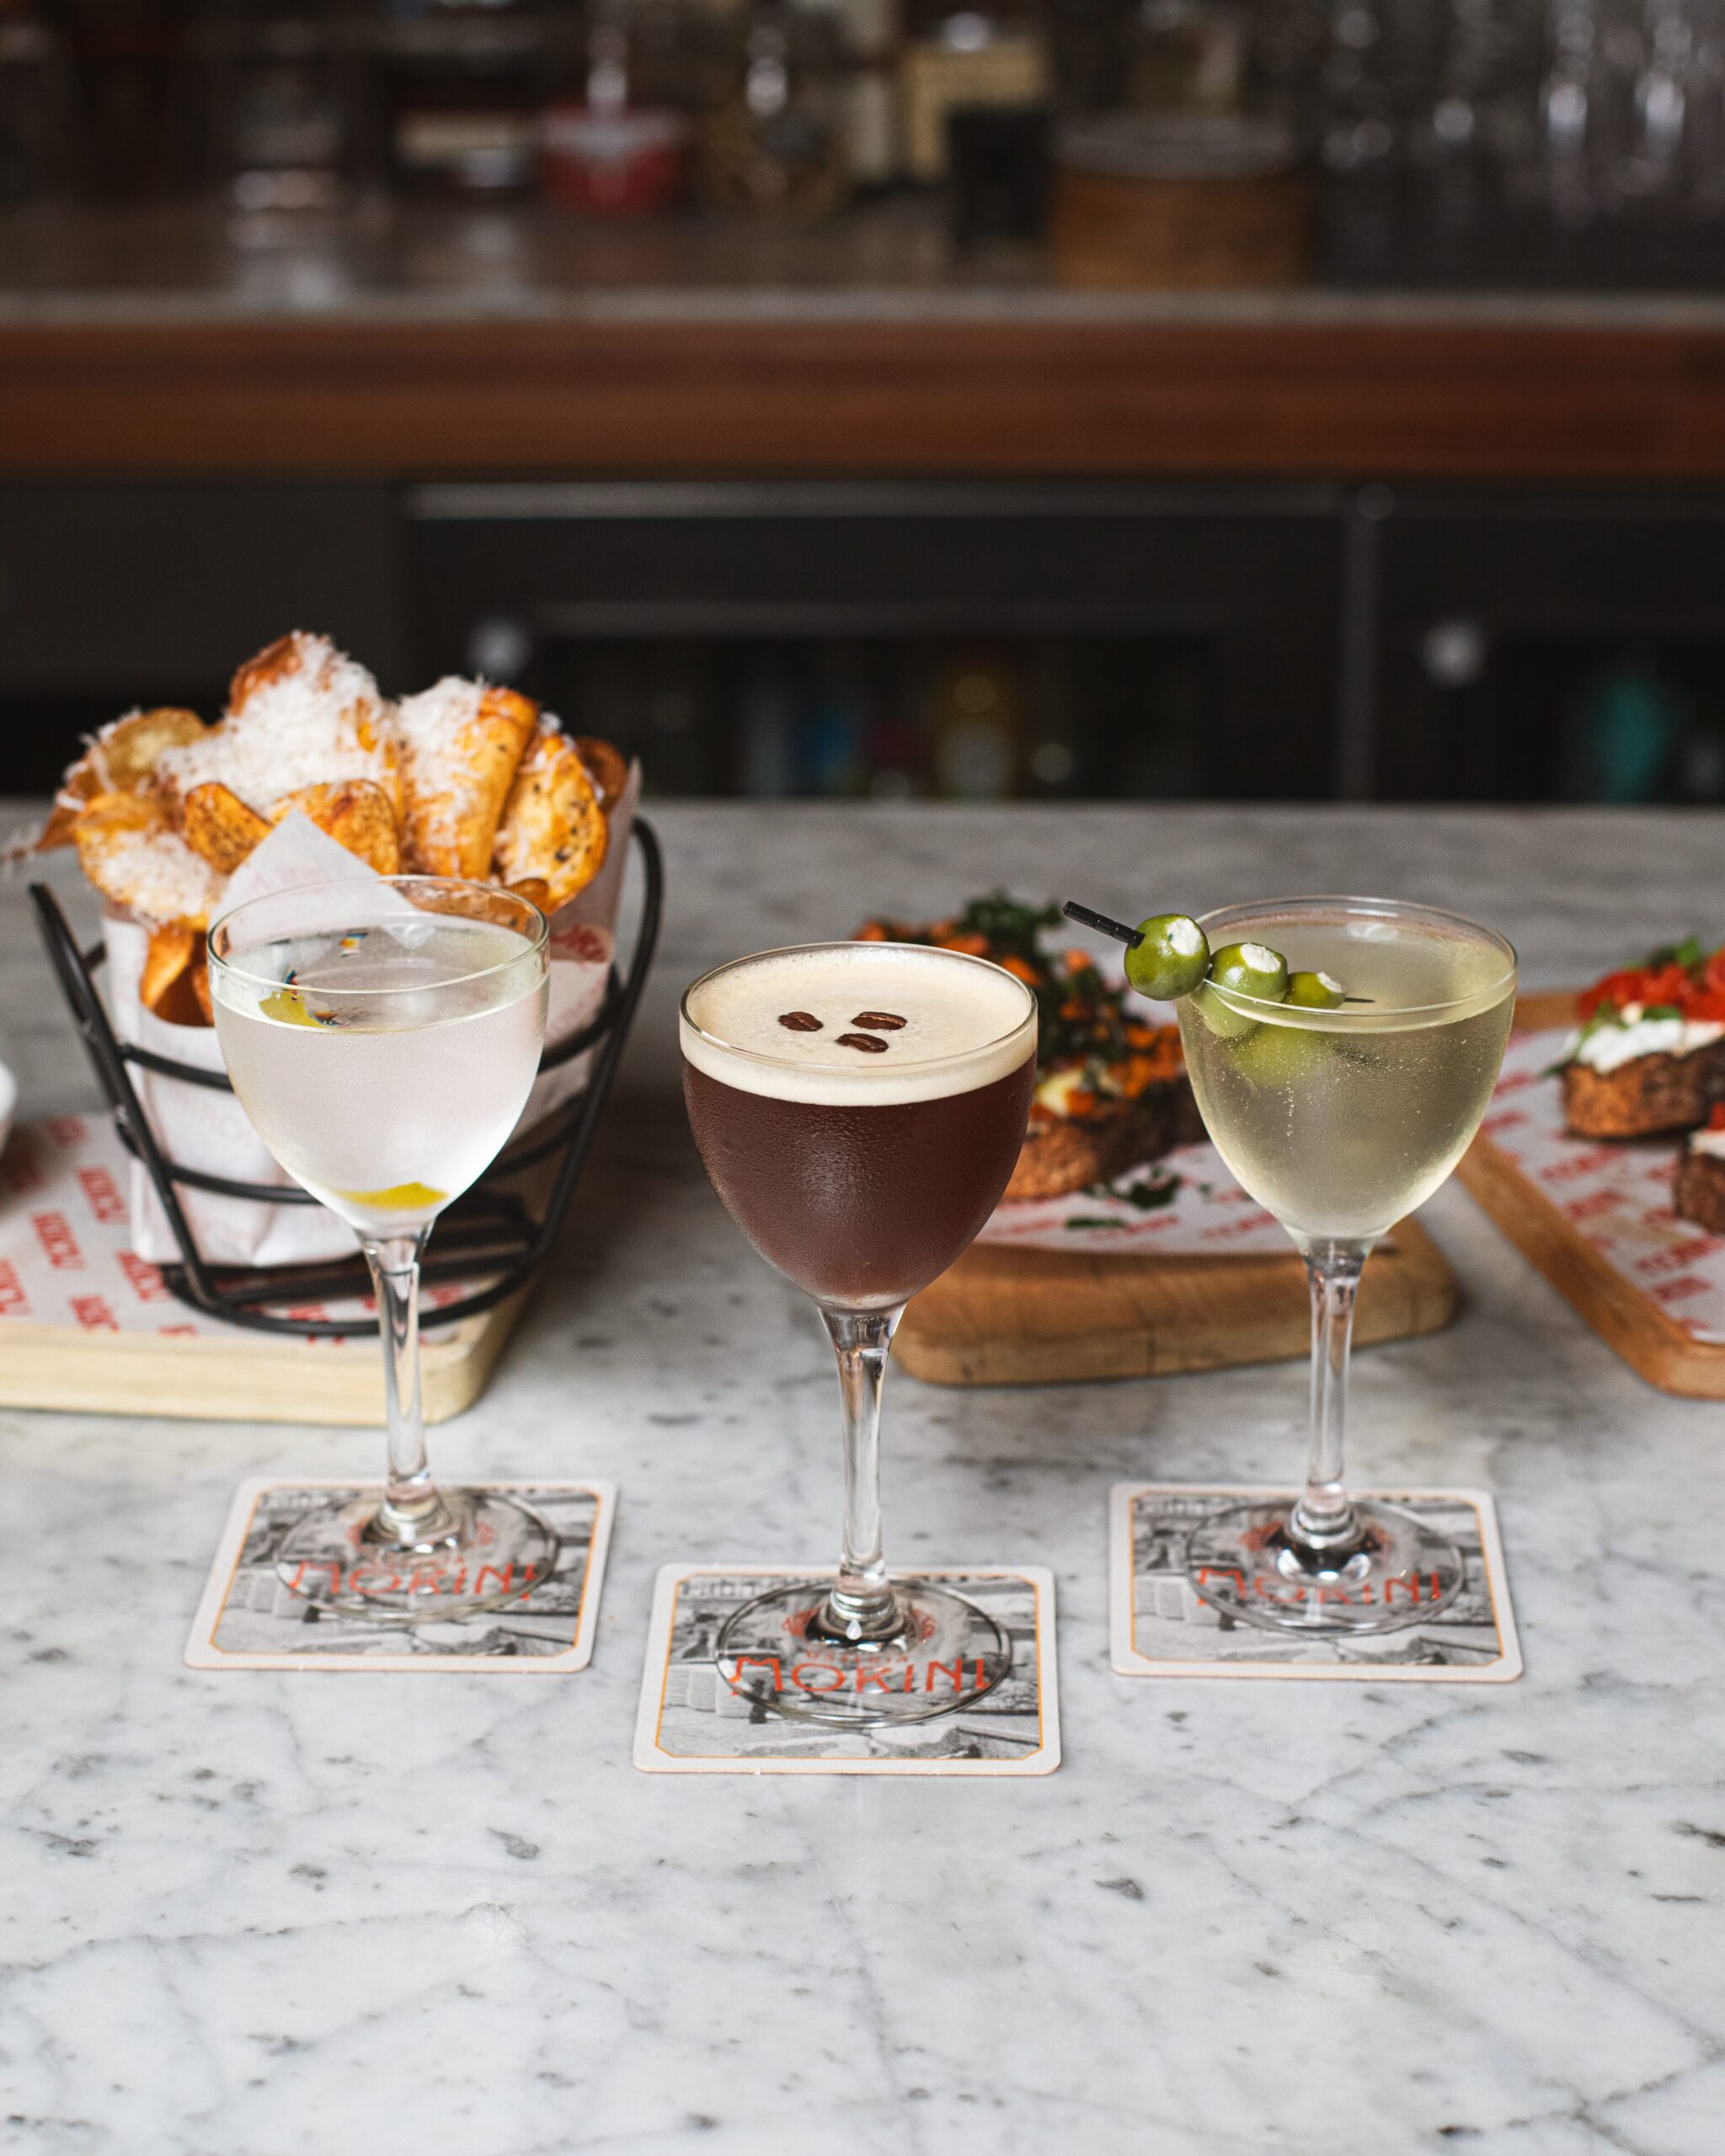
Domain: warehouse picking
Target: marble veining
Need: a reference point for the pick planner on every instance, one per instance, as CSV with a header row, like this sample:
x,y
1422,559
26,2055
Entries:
x,y
246,1915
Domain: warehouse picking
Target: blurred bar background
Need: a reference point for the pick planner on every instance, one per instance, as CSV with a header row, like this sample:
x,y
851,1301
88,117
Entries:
x,y
1213,399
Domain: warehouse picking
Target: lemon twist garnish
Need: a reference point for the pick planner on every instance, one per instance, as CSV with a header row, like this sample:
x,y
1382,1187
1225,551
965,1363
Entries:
x,y
287,1006
399,1197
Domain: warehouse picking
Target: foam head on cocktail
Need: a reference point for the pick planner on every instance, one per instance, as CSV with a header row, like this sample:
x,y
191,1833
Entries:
x,y
859,1107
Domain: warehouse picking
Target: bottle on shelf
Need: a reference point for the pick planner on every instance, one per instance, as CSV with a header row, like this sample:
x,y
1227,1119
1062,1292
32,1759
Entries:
x,y
977,713
462,86
961,61
774,146
607,152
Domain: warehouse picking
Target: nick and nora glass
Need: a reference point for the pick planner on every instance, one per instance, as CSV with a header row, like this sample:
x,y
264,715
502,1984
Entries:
x,y
1340,1122
382,1035
859,1107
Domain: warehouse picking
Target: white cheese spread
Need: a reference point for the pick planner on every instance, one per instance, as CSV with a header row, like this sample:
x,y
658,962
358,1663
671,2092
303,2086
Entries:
x,y
1609,1047
1709,1142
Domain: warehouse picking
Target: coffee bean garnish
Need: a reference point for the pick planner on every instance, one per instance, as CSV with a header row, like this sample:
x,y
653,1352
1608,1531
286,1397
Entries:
x,y
880,1022
800,1022
866,1042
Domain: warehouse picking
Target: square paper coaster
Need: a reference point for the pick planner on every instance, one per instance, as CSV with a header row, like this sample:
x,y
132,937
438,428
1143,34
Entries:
x,y
692,1723
249,1620
1159,1627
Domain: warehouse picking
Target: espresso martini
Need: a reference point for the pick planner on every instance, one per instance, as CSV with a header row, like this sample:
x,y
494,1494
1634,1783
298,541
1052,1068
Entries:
x,y
860,1107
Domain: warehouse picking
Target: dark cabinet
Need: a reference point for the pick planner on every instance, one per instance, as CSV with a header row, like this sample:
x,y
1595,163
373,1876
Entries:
x,y
1153,640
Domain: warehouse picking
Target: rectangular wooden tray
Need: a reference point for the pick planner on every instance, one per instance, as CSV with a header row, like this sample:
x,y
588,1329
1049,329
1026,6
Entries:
x,y
242,1377
1653,1344
1004,1316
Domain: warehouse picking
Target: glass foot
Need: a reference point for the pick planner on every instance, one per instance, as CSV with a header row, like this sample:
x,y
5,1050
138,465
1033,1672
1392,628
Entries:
x,y
947,1655
492,1550
1401,1574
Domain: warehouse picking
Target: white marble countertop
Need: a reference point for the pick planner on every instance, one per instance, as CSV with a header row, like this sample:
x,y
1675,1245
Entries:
x,y
246,1915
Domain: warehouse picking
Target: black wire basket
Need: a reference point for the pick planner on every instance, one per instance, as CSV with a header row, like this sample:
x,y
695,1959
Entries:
x,y
493,1231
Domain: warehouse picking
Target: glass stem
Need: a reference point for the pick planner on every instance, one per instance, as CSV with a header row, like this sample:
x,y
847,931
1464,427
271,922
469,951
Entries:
x,y
1324,1522
861,1605
412,1512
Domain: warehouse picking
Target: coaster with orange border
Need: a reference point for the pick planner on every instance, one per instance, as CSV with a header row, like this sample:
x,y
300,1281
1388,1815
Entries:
x,y
251,1617
699,1717
1162,1624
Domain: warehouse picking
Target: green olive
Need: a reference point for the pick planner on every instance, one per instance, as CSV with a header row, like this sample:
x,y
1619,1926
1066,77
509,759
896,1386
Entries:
x,y
1222,1019
1315,991
1251,970
1281,1055
1171,958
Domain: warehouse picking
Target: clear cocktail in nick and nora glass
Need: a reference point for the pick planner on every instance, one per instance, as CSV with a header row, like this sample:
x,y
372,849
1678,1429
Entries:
x,y
859,1107
382,1033
1343,1051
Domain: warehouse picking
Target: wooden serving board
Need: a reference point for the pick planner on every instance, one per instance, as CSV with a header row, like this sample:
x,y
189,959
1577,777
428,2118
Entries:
x,y
1004,1316
1653,1344
236,1376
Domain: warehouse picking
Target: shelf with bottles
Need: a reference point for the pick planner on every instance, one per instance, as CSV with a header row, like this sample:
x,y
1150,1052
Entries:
x,y
1611,718
983,719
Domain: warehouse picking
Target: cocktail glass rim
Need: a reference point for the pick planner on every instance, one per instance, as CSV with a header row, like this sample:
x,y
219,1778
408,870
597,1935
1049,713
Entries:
x,y
1299,910
535,930
862,1072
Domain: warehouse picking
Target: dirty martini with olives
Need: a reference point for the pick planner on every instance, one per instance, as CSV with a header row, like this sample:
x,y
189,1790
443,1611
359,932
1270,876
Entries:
x,y
1342,1052
1341,1119
860,1107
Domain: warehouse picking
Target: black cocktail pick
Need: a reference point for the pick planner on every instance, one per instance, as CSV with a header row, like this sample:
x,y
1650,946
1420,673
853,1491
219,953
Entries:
x,y
1088,917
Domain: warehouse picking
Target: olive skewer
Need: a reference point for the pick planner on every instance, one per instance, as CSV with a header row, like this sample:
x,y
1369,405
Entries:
x,y
1168,955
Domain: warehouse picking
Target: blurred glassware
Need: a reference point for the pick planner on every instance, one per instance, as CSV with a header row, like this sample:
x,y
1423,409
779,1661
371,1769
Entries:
x,y
282,97
462,87
775,146
605,154
968,59
35,107
1188,55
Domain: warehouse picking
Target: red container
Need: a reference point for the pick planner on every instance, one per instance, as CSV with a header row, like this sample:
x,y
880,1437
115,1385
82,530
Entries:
x,y
621,164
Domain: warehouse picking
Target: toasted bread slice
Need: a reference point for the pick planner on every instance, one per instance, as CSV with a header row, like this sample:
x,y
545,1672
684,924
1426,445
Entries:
x,y
606,767
167,985
356,814
1698,1190
461,744
553,829
219,826
300,714
1074,1154
121,759
1649,1095
129,852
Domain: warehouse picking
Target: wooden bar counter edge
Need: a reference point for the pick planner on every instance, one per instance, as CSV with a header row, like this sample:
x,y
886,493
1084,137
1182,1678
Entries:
x,y
859,385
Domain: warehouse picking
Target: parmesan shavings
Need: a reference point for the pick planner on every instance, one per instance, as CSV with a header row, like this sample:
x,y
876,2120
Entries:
x,y
319,719
162,878
429,728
